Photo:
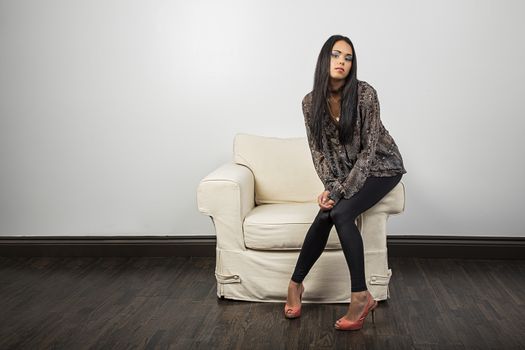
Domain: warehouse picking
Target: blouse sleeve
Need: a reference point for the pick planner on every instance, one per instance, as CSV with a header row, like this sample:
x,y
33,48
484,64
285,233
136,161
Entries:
x,y
370,132
330,182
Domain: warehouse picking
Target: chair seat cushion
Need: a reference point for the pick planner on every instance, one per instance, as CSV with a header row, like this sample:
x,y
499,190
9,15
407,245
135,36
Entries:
x,y
282,226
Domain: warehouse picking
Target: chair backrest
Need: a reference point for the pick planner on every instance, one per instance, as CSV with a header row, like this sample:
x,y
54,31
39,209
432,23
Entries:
x,y
283,168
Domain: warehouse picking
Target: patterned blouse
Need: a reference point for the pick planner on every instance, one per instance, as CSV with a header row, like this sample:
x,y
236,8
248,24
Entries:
x,y
343,169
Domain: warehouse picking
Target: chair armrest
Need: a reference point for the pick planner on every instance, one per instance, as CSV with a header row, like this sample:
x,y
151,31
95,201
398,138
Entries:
x,y
393,203
373,222
227,195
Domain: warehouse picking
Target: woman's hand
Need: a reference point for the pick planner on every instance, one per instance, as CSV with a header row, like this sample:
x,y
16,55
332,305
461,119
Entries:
x,y
324,202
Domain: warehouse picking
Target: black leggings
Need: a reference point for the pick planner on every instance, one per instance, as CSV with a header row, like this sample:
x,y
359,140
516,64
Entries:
x,y
343,215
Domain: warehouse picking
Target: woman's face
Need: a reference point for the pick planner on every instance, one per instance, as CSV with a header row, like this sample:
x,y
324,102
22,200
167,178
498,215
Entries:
x,y
341,60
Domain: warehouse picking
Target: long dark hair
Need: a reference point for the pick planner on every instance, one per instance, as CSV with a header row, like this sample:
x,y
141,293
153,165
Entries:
x,y
321,88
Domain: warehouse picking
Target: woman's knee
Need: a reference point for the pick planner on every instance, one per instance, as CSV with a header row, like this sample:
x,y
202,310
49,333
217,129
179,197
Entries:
x,y
341,214
323,218
323,215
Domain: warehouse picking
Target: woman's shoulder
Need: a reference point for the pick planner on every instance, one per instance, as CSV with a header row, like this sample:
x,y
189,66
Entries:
x,y
307,105
307,99
367,93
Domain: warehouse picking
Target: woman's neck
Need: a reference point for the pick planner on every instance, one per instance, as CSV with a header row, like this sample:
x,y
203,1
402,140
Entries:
x,y
335,86
334,97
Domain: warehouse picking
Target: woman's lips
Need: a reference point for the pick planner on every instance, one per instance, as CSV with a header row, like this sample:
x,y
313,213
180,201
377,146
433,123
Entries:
x,y
340,69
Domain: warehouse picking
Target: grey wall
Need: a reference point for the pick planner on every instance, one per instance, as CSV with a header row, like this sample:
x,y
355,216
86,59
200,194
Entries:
x,y
112,111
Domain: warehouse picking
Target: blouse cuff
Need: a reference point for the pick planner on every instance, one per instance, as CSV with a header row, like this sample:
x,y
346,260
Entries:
x,y
335,195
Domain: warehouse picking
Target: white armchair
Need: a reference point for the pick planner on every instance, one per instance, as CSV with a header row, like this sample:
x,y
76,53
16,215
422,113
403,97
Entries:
x,y
262,205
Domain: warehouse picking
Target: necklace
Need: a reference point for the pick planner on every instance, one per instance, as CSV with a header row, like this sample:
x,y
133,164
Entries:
x,y
331,113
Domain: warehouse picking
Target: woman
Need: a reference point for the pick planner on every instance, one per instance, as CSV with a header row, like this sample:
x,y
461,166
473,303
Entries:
x,y
357,161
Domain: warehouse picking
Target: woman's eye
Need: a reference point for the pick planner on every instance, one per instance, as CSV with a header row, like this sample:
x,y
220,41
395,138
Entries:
x,y
348,58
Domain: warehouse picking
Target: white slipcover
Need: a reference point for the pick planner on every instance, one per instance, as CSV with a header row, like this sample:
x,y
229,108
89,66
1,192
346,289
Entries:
x,y
262,205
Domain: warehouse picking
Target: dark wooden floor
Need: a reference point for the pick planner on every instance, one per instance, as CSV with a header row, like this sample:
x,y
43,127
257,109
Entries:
x,y
171,303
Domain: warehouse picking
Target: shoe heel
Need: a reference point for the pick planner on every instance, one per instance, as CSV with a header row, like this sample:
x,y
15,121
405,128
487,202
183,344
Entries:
x,y
373,309
297,312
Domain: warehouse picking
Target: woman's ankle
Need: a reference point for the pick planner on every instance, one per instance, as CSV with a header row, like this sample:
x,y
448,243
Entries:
x,y
361,295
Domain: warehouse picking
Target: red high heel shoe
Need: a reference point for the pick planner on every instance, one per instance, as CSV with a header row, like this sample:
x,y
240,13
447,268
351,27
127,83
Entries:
x,y
294,312
346,325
